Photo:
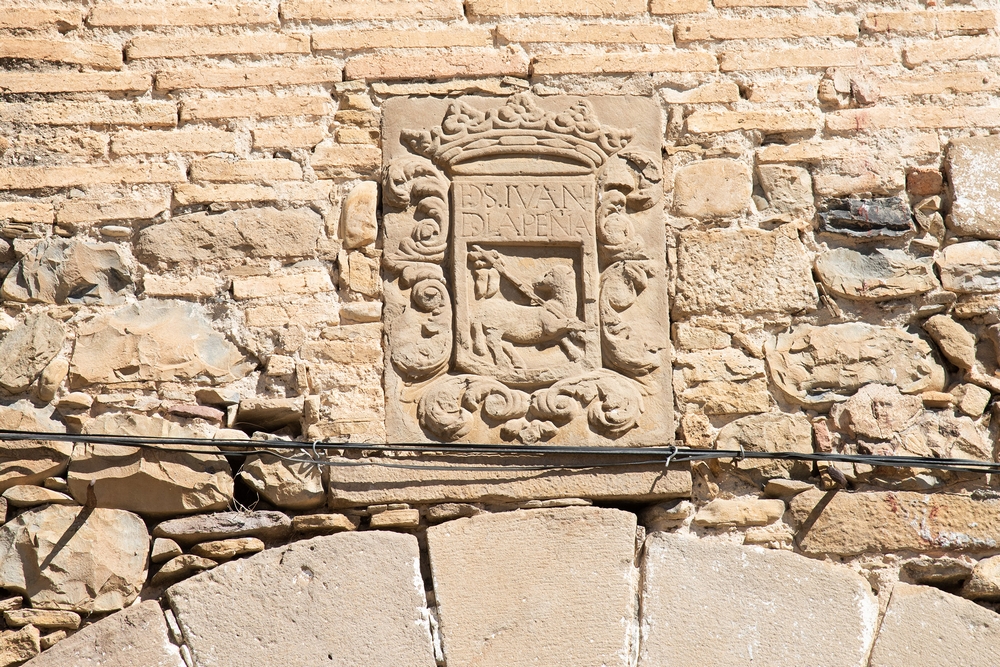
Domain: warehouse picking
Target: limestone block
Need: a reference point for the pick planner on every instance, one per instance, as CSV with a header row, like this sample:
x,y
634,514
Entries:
x,y
358,225
94,559
877,412
975,187
27,349
446,479
134,637
821,365
231,236
266,525
154,340
724,513
970,268
352,598
880,522
60,270
560,585
955,341
286,485
743,271
876,276
928,627
714,188
767,607
769,432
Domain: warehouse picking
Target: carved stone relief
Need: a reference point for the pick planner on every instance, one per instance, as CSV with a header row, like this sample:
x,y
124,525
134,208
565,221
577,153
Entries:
x,y
525,271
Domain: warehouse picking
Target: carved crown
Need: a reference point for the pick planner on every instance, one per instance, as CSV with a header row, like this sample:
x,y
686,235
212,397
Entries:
x,y
520,128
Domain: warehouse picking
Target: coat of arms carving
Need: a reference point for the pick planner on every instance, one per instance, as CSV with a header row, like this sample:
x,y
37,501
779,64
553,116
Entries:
x,y
525,271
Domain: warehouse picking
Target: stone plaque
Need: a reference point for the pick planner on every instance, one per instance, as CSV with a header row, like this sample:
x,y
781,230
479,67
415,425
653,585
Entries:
x,y
525,271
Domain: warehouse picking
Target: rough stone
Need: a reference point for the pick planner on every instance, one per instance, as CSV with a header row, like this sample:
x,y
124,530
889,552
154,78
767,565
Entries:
x,y
74,558
16,647
984,584
447,479
975,187
151,482
154,341
164,549
51,378
53,638
787,189
179,568
24,495
743,271
867,219
769,432
44,619
955,341
231,236
942,435
817,366
401,518
882,522
770,607
266,525
66,271
358,225
974,400
877,412
29,461
714,188
943,571
877,276
134,637
785,488
970,268
723,513
269,413
220,550
449,511
323,524
286,485
928,627
27,349
366,585
561,586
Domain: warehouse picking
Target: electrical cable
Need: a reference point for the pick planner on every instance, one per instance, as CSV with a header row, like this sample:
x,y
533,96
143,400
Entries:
x,y
636,456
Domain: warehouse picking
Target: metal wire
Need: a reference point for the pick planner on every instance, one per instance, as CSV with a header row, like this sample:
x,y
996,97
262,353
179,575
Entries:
x,y
598,457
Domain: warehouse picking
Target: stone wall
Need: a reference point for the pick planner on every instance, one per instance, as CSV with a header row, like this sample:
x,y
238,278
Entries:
x,y
758,225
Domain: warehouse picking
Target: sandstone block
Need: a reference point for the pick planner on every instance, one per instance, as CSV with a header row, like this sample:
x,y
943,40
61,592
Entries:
x,y
926,626
355,40
437,64
877,412
615,63
975,187
16,647
199,287
721,91
954,340
741,512
153,341
880,522
678,6
283,192
771,28
231,236
373,484
308,282
287,485
45,619
30,18
347,10
912,117
90,54
984,584
808,58
723,397
560,581
252,106
974,401
952,48
706,122
970,268
24,495
74,82
179,568
821,365
769,607
27,211
713,188
761,3
94,559
585,33
27,349
332,160
288,137
133,637
246,76
64,271
30,178
399,519
788,189
367,585
74,212
769,432
358,225
139,112
155,46
265,525
323,524
743,271
221,550
131,16
264,171
164,549
27,461
605,8
188,140
875,276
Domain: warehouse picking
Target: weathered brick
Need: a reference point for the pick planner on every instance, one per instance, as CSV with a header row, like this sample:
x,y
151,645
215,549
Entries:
x,y
26,211
74,82
294,191
346,10
952,48
784,90
852,120
417,64
76,211
716,92
381,38
330,160
31,18
356,135
32,178
912,22
766,121
761,3
140,112
247,76
966,21
806,151
254,107
223,170
155,46
678,6
938,83
256,287
613,63
555,7
585,33
187,140
288,137
807,58
762,28
101,56
127,16
199,287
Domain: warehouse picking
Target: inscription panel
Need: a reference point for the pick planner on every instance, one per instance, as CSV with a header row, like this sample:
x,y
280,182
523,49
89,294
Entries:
x,y
525,272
